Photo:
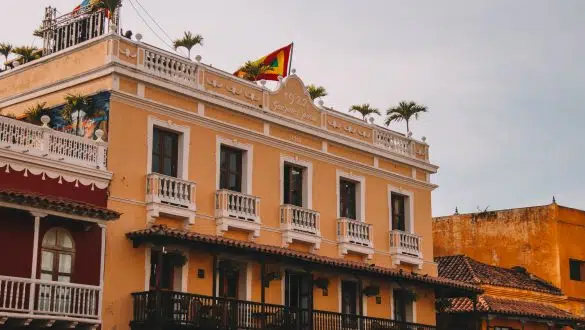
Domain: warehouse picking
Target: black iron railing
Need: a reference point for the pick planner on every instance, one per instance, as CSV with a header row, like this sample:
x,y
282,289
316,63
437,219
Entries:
x,y
168,310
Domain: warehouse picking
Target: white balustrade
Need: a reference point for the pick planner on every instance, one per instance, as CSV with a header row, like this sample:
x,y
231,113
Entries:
x,y
405,243
169,66
39,297
43,141
299,219
354,231
232,204
394,142
170,190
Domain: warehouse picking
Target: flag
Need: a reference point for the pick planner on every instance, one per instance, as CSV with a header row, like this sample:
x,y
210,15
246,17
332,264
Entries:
x,y
85,3
279,62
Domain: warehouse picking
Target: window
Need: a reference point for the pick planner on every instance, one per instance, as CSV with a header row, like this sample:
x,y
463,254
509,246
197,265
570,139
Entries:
x,y
293,184
398,211
230,169
349,297
57,255
165,152
577,270
162,270
402,302
347,199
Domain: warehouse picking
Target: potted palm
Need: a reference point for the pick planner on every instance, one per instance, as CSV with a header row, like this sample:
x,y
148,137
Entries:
x,y
111,7
5,50
27,53
365,110
316,92
252,71
188,41
404,111
34,113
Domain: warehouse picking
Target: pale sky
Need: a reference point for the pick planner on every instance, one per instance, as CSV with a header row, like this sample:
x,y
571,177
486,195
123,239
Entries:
x,y
504,80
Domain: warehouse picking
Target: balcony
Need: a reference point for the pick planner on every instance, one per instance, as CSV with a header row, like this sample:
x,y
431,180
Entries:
x,y
300,224
184,310
32,302
355,236
406,248
170,196
238,211
46,143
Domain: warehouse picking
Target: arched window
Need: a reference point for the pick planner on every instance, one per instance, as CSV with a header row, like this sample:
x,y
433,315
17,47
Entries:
x,y
57,255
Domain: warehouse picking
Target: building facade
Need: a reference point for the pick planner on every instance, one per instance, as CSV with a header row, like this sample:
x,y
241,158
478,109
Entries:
x,y
241,206
545,240
513,298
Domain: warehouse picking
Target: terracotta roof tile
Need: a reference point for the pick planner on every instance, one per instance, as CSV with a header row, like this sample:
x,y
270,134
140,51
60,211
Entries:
x,y
161,231
490,304
463,268
57,204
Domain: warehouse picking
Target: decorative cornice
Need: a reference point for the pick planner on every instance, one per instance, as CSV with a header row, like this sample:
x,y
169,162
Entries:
x,y
260,137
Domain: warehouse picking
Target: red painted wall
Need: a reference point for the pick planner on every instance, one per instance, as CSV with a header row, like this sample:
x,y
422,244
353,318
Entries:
x,y
15,180
16,243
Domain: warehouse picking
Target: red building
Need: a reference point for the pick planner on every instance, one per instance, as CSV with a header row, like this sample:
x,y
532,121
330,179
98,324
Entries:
x,y
53,215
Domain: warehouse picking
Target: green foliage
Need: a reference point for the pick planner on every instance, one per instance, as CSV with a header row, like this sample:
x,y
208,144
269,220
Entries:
x,y
38,32
188,41
6,50
76,103
27,53
316,91
110,5
364,109
253,70
404,111
34,113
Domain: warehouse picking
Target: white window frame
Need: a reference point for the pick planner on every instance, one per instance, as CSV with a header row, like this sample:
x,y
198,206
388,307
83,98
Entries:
x,y
247,161
307,179
183,147
341,279
360,192
184,268
409,208
413,303
247,276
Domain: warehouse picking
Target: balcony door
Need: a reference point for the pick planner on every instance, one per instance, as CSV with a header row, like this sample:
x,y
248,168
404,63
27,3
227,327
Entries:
x,y
230,169
347,199
293,184
299,296
165,152
398,211
57,258
349,303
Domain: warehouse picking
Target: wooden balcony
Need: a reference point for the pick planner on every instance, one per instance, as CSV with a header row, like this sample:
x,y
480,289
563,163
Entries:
x,y
170,196
237,210
32,302
173,310
300,224
406,248
355,236
44,142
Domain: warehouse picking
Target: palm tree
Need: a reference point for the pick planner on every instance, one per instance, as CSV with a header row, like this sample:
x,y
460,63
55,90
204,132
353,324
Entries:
x,y
34,113
253,70
38,32
76,107
27,53
188,41
5,49
316,91
109,5
404,111
364,109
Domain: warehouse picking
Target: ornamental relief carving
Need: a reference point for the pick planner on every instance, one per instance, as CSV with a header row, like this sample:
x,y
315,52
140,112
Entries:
x,y
297,106
348,129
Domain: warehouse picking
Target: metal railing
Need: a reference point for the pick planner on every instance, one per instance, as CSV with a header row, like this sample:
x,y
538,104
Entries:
x,y
32,296
232,204
299,219
43,141
168,309
354,231
170,190
405,243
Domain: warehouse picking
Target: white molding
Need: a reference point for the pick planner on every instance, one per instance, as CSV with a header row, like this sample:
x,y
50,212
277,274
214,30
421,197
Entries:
x,y
247,161
116,82
154,210
249,272
360,192
200,108
207,122
35,256
184,144
102,269
147,268
140,87
307,179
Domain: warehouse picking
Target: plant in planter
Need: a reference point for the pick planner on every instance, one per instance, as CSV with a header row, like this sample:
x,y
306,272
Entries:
x,y
34,113
177,258
371,290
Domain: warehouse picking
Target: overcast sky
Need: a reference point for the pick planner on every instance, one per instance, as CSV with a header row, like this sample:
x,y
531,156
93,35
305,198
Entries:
x,y
504,80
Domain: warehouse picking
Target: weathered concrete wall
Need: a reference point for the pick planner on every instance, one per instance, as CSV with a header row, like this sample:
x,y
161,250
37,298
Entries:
x,y
524,237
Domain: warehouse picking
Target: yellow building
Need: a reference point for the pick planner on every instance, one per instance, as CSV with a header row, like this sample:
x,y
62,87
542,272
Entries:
x,y
240,205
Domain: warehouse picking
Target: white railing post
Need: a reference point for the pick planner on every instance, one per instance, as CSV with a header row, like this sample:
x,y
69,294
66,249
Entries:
x,y
101,156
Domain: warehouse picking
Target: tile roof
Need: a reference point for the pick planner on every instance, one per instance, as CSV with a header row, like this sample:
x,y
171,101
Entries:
x,y
162,231
463,268
53,203
490,304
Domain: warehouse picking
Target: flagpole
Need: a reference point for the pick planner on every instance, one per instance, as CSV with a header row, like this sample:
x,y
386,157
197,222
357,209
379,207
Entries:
x,y
292,47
